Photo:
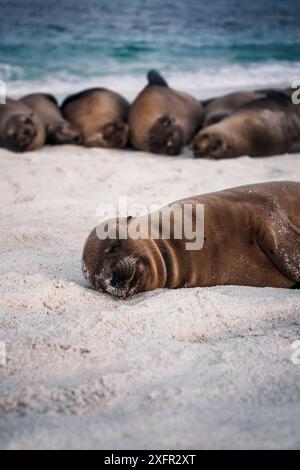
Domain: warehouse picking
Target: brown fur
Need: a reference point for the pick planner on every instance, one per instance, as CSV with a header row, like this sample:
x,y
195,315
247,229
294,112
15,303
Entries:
x,y
163,120
101,115
221,107
20,128
252,238
264,127
58,130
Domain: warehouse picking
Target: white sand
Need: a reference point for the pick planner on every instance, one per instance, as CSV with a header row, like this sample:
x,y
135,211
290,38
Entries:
x,y
193,368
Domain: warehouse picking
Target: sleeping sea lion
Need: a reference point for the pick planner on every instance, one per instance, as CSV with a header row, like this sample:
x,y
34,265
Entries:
x,y
58,130
220,107
163,120
251,238
263,127
21,129
100,115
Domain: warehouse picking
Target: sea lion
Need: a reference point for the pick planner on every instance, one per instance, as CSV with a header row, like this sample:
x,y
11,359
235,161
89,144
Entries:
x,y
58,130
163,120
263,127
100,115
251,238
20,128
220,107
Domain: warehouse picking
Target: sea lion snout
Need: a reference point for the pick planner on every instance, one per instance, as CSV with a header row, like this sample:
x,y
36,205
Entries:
x,y
166,137
120,276
20,132
113,135
210,145
116,134
63,133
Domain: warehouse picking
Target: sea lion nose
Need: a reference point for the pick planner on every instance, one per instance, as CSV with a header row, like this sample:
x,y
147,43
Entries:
x,y
215,145
77,139
117,281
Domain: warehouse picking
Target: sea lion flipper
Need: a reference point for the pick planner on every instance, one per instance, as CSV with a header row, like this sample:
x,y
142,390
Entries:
x,y
278,96
280,240
156,79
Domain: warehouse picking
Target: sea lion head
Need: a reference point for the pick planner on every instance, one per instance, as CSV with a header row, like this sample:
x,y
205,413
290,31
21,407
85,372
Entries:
x,y
19,132
166,137
115,135
112,135
211,145
63,133
120,267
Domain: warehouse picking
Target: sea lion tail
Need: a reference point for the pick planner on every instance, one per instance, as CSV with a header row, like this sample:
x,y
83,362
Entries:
x,y
155,78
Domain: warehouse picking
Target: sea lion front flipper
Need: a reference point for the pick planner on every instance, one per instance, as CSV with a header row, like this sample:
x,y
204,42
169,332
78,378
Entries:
x,y
280,240
156,79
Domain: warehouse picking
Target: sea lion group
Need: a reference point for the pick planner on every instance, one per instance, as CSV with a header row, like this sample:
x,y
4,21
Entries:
x,y
251,234
160,120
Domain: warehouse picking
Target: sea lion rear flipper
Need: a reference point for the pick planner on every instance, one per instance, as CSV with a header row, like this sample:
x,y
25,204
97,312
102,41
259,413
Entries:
x,y
280,240
155,79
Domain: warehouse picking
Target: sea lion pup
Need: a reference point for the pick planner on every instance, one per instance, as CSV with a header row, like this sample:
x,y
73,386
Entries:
x,y
21,129
163,120
221,107
251,238
100,115
264,127
58,130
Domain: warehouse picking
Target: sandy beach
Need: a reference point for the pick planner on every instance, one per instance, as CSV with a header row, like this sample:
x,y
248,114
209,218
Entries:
x,y
193,368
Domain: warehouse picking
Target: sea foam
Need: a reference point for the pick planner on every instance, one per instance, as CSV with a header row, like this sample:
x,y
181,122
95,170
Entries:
x,y
206,81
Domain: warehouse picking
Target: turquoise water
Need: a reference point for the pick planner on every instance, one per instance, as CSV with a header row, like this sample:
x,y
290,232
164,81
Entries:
x,y
206,44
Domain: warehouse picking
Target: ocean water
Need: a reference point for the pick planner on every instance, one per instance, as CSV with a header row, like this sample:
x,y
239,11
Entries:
x,y
201,46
